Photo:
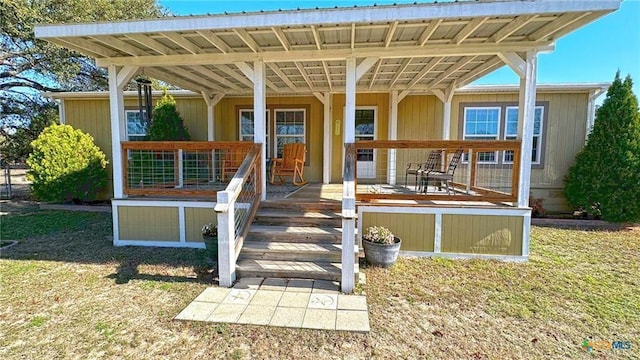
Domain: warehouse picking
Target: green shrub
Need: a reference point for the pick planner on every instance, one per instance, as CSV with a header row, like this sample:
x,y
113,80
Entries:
x,y
166,123
606,174
66,165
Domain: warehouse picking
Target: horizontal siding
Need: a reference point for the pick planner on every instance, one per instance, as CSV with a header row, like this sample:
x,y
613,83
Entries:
x,y
148,223
482,234
416,230
195,219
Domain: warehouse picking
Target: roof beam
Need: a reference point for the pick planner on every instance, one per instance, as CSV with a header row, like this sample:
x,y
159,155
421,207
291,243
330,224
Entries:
x,y
304,75
84,47
425,70
160,74
468,29
215,40
429,29
434,50
126,74
480,71
211,99
247,39
182,42
515,62
364,66
151,43
518,23
282,37
390,32
208,73
375,74
403,67
191,76
560,23
327,73
119,44
247,70
316,37
451,70
231,72
282,76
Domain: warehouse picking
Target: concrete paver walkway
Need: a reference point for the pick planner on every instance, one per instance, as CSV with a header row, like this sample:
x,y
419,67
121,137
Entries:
x,y
296,303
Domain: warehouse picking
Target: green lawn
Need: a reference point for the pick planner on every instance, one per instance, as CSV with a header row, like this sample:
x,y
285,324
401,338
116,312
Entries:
x,y
66,292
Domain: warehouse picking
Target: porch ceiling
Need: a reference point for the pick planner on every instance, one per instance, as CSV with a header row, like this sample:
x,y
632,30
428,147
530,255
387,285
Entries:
x,y
416,48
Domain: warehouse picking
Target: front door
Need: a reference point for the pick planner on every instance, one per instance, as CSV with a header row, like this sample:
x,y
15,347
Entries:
x,y
366,130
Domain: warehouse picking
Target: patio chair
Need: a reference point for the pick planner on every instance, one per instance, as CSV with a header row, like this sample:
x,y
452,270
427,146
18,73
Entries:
x,y
231,161
291,164
444,176
433,163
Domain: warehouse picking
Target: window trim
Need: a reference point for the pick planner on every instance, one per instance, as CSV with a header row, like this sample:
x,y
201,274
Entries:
x,y
502,125
539,136
496,156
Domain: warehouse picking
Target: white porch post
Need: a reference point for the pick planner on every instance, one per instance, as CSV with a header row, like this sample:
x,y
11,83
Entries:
x,y
210,122
526,114
259,124
117,80
328,133
348,192
446,98
393,135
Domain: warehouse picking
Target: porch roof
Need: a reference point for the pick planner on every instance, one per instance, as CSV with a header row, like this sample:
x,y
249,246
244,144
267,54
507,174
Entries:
x,y
415,48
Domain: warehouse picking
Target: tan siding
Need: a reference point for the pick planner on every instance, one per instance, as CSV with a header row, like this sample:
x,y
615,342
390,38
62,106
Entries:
x,y
227,122
482,234
148,223
195,219
415,230
194,114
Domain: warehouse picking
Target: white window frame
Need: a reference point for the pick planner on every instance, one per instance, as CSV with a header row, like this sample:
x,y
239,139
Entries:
x,y
275,125
537,139
465,136
133,137
267,129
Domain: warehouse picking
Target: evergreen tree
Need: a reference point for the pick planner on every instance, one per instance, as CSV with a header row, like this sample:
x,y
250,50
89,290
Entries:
x,y
166,123
606,173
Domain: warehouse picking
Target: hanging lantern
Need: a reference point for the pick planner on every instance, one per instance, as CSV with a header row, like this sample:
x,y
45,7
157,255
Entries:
x,y
144,100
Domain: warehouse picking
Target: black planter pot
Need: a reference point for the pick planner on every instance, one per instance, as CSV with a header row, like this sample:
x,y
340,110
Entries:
x,y
211,244
381,255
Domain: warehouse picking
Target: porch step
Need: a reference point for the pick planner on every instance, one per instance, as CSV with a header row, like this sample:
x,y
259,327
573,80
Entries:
x,y
290,251
310,218
297,206
295,234
319,270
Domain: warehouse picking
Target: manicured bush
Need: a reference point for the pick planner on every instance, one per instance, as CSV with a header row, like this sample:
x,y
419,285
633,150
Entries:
x,y
66,165
606,174
166,123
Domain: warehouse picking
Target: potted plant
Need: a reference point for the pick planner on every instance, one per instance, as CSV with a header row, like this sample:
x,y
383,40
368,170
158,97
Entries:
x,y
210,238
381,247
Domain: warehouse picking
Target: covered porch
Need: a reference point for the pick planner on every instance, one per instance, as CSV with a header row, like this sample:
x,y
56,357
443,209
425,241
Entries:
x,y
331,54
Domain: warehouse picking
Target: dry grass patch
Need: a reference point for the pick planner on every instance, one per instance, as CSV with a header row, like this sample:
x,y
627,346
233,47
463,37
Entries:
x,y
71,294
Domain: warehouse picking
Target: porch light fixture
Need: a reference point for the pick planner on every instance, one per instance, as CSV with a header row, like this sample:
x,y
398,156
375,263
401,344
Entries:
x,y
144,99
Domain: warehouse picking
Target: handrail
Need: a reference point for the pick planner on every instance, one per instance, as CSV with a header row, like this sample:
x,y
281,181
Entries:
x,y
236,207
472,191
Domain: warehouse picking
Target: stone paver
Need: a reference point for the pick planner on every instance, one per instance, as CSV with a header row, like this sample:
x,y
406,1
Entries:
x,y
213,294
323,301
257,315
319,319
294,300
351,320
297,303
197,311
227,313
288,317
352,302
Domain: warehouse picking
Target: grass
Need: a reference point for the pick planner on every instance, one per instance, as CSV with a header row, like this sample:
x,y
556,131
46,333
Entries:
x,y
70,293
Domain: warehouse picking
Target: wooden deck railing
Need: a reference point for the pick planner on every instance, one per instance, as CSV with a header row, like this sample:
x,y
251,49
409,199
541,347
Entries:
x,y
488,171
236,207
180,168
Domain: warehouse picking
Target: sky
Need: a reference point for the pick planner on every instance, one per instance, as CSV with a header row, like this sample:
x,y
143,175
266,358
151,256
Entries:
x,y
593,53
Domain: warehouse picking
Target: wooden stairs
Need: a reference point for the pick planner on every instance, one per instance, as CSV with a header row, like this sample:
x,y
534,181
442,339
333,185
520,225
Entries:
x,y
294,240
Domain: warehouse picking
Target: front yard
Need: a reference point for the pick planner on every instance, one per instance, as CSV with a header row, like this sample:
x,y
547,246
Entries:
x,y
66,292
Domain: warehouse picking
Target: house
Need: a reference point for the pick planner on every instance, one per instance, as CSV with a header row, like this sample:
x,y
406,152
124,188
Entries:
x,y
368,90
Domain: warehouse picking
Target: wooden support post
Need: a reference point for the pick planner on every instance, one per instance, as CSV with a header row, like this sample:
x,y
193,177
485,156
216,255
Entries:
x,y
328,134
526,115
393,135
348,220
259,124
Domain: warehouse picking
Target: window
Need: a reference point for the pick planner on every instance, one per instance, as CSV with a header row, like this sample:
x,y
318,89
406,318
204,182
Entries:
x,y
511,133
246,128
136,128
365,130
289,128
482,123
